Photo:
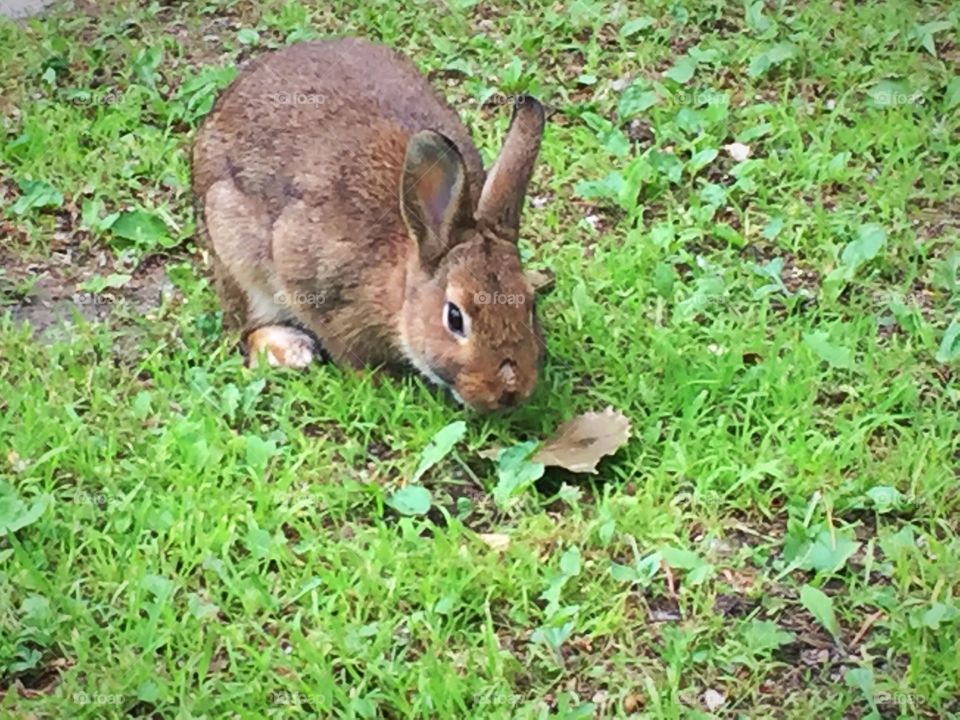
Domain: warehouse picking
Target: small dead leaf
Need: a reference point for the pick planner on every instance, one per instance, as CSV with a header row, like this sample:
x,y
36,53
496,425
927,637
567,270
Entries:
x,y
495,541
220,662
813,656
712,699
633,702
16,463
45,681
740,580
491,453
738,151
580,443
601,698
582,644
60,663
542,280
26,692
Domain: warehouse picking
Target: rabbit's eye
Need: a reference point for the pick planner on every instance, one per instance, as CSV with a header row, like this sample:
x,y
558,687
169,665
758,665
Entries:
x,y
454,320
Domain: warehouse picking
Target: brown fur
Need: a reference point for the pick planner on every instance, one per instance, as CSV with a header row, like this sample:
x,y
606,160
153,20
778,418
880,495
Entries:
x,y
303,211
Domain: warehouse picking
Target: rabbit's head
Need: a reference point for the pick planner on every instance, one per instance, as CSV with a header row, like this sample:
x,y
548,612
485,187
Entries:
x,y
468,319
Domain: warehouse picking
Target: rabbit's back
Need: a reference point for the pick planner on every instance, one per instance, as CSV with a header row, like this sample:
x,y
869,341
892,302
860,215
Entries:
x,y
329,119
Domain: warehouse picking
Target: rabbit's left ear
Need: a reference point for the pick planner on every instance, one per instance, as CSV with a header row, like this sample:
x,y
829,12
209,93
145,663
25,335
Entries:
x,y
434,197
501,200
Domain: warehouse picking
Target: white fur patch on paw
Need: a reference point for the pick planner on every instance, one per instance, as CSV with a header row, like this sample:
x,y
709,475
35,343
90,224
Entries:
x,y
281,346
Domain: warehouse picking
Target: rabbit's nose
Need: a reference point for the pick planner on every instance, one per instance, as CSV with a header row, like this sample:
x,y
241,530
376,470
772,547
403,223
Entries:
x,y
508,375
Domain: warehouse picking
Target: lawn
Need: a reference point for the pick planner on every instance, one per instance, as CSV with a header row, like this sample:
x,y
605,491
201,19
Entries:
x,y
752,213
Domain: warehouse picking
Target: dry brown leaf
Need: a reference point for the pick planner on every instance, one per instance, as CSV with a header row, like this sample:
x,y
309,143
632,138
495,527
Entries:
x,y
741,580
45,680
491,453
542,280
496,541
634,702
580,443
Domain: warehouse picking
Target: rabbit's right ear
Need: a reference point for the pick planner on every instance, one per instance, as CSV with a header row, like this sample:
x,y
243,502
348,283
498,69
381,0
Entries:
x,y
434,197
501,200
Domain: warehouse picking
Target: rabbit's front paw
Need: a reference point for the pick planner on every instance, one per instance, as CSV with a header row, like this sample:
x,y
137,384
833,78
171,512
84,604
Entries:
x,y
282,346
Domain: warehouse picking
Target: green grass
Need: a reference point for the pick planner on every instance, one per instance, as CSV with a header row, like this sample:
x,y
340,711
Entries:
x,y
182,537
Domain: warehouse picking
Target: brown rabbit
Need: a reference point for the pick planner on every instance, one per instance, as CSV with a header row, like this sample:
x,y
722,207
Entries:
x,y
344,201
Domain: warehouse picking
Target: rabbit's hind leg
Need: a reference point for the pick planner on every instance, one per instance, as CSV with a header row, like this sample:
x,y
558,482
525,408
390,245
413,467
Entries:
x,y
280,346
239,231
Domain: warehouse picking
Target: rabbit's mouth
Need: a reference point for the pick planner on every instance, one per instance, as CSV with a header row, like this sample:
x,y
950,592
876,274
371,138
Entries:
x,y
434,376
441,379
